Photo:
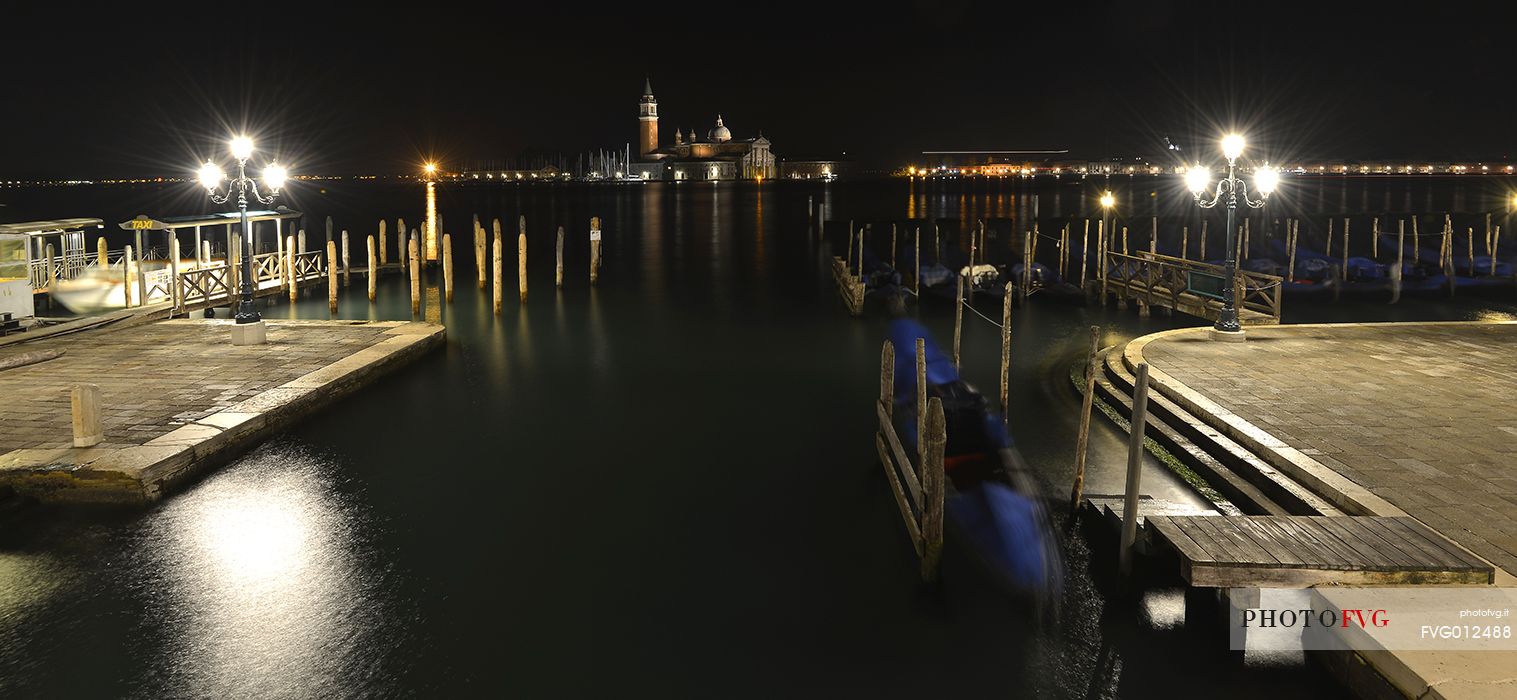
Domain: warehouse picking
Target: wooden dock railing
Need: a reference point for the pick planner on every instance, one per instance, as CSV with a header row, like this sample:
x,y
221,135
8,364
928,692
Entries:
x,y
1192,287
919,486
850,286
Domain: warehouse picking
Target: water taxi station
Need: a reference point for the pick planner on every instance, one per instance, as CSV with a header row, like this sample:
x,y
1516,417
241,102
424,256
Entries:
x,y
134,395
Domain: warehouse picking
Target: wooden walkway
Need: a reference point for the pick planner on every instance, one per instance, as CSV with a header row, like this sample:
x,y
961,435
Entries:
x,y
1304,551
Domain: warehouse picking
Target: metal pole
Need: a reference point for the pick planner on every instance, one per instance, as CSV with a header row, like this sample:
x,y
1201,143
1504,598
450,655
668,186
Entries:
x,y
1227,322
246,312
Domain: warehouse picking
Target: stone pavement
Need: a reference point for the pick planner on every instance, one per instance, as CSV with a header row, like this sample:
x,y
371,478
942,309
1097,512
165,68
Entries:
x,y
1421,415
176,396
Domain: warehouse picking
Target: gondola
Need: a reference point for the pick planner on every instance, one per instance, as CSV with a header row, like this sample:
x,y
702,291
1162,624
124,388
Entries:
x,y
994,512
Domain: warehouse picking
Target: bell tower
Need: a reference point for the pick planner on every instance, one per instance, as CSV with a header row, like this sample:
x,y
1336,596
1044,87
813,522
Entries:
x,y
647,121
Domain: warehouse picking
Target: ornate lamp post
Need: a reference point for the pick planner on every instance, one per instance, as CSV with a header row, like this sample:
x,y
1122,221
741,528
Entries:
x,y
274,176
1230,190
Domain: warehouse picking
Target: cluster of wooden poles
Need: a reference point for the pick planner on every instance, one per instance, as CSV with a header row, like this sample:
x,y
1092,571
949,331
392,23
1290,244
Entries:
x,y
486,247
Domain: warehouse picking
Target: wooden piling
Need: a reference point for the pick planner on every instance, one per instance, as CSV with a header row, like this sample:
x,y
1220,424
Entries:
x,y
1084,253
958,315
1006,355
401,244
332,276
893,265
1290,267
595,235
1416,241
1243,253
1134,471
1375,238
921,404
102,257
85,403
1184,242
300,240
234,269
973,240
1124,240
413,252
126,277
916,247
51,270
481,256
1495,247
346,267
384,255
173,271
521,266
1329,249
496,269
1201,255
373,271
1101,258
447,267
1083,439
1064,254
1470,241
932,489
1027,259
1396,272
558,260
849,259
1345,248
887,380
290,270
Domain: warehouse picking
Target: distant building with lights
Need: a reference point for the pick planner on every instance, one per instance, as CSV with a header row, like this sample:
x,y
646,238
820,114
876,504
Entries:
x,y
716,156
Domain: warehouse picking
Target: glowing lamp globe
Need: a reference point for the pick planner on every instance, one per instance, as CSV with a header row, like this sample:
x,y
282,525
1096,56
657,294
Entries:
x,y
1232,146
1107,200
210,175
274,176
242,148
1197,177
1266,180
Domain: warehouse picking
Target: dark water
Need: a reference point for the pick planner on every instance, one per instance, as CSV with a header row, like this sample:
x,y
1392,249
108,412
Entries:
x,y
663,485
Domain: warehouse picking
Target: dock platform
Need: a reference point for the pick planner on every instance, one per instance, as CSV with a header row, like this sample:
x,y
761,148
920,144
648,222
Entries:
x,y
1304,551
178,398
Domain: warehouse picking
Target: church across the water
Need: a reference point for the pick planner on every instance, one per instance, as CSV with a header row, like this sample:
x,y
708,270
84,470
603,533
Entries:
x,y
716,156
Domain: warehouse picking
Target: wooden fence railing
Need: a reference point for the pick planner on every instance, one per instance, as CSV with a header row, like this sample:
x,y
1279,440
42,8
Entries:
x,y
204,285
1192,287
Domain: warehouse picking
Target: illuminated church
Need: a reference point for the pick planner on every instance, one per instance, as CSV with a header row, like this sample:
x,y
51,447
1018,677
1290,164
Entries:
x,y
715,157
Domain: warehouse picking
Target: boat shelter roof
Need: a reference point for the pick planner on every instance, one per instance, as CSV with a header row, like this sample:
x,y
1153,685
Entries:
x,y
49,227
144,222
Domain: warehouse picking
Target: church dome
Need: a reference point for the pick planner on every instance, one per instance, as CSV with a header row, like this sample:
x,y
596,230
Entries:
x,y
719,133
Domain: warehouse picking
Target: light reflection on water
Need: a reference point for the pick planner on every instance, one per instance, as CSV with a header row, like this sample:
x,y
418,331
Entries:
x,y
258,584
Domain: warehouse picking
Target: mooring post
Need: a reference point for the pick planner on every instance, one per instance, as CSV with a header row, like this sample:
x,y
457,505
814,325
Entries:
x,y
174,300
1102,244
346,270
481,256
85,402
447,267
1134,471
1243,251
887,380
921,350
1375,238
51,271
205,253
1495,247
1006,355
893,266
496,269
1416,241
300,239
558,260
932,489
958,315
384,255
1290,267
373,273
126,277
916,254
102,256
413,251
1470,247
521,263
1184,242
1084,254
1153,237
973,240
1027,262
401,245
332,276
234,270
594,250
1086,403
1124,240
849,260
1345,248
294,277
1396,272
1201,256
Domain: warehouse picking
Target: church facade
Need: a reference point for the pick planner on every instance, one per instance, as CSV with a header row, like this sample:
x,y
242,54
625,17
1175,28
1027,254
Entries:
x,y
716,156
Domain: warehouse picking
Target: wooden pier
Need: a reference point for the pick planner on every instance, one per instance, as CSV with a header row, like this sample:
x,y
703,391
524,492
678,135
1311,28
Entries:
x,y
1191,287
1305,551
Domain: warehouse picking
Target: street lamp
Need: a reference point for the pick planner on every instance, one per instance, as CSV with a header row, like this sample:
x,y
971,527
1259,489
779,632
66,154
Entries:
x,y
430,169
274,175
1230,190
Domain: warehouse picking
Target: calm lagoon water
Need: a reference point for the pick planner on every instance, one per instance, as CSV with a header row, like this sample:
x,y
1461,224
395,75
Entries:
x,y
666,484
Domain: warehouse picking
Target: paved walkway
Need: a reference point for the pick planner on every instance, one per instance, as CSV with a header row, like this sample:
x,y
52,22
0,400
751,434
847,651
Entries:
x,y
158,377
1422,415
177,396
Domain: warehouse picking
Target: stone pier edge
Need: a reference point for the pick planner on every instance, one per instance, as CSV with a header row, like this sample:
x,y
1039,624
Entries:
x,y
1414,674
144,473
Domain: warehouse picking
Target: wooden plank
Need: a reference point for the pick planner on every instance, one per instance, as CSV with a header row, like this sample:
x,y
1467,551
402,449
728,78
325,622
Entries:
x,y
1186,547
1336,551
1442,543
900,497
1227,529
1411,544
1284,548
1222,576
1213,544
908,472
1361,537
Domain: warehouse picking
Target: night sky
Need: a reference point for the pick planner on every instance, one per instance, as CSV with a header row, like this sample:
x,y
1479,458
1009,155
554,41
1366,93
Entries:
x,y
92,93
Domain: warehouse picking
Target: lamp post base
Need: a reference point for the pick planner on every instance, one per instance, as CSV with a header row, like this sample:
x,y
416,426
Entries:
x,y
1236,336
249,333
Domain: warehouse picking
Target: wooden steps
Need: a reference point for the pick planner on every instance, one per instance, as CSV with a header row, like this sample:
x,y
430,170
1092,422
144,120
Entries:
x,y
1305,551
